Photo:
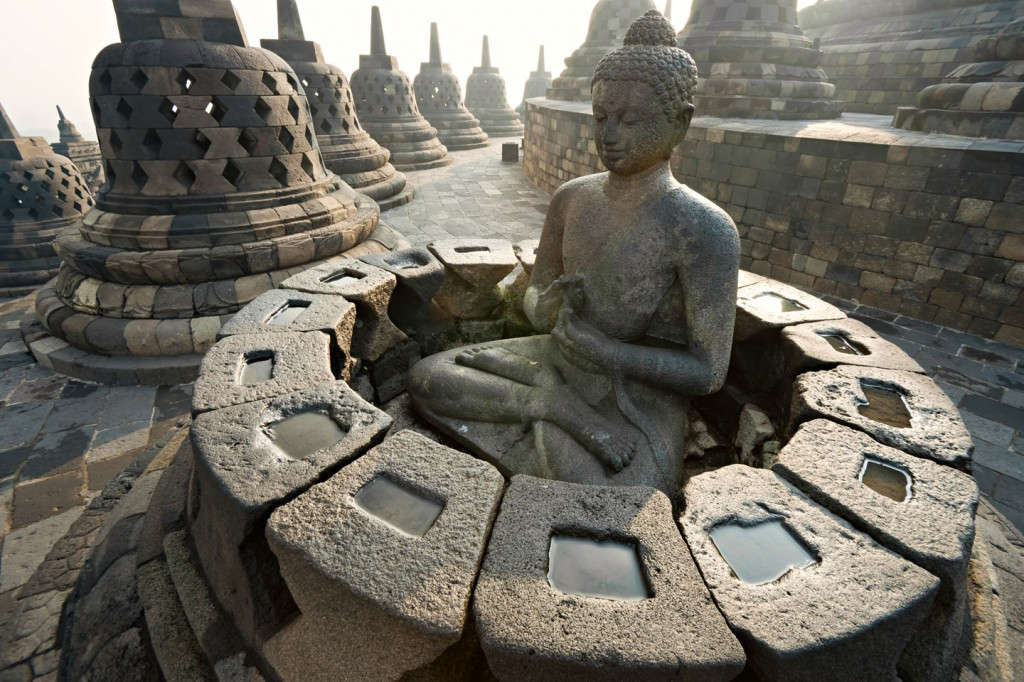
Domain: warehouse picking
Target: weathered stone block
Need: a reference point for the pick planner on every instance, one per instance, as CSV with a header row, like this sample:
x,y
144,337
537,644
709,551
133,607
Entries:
x,y
419,276
839,607
381,560
772,305
280,310
248,367
370,288
924,513
902,409
821,345
472,269
251,457
655,620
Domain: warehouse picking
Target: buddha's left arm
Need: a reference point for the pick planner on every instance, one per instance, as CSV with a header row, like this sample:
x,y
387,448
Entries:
x,y
708,273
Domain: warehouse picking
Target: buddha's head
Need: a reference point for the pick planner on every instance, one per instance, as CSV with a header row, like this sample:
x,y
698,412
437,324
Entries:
x,y
643,97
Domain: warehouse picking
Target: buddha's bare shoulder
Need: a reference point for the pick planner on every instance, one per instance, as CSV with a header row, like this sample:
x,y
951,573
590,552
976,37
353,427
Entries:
x,y
579,189
693,216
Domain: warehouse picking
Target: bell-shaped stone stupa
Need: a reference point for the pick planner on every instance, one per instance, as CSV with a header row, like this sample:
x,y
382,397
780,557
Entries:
x,y
84,153
486,97
216,191
984,98
439,97
536,85
347,148
41,193
608,25
387,107
755,62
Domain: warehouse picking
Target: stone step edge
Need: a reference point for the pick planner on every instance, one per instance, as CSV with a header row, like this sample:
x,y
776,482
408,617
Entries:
x,y
213,631
61,357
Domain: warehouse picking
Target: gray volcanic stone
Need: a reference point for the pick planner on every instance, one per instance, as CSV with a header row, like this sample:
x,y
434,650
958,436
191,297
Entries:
x,y
805,348
936,430
473,269
748,278
378,601
934,527
531,631
370,288
419,275
847,617
241,474
330,314
754,313
299,361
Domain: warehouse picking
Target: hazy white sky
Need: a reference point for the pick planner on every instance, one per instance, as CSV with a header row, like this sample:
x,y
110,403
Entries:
x,y
47,46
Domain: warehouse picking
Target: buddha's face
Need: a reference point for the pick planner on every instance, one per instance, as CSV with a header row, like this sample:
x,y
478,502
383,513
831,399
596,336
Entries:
x,y
632,130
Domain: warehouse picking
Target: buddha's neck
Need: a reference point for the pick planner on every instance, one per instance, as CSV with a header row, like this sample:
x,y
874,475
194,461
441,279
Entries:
x,y
642,186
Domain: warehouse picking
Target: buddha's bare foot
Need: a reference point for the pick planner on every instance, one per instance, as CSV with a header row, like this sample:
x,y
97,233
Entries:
x,y
504,363
615,451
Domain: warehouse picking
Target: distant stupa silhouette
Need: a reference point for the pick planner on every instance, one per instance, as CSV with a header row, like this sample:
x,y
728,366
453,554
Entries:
x,y
486,97
536,85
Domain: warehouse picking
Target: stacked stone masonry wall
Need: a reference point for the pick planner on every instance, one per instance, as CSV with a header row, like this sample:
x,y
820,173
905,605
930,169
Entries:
x,y
925,231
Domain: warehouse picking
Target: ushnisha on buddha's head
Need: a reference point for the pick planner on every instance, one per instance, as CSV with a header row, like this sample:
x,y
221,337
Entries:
x,y
643,97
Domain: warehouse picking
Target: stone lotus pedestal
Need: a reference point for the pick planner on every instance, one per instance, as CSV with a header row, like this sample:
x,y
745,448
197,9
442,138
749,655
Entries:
x,y
755,62
930,522
387,107
487,99
41,194
439,97
85,154
347,148
984,98
216,190
536,85
609,22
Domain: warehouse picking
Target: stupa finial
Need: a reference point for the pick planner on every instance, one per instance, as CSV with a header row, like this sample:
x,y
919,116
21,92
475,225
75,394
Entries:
x,y
435,45
162,20
668,10
289,24
7,129
377,46
485,58
60,114
540,60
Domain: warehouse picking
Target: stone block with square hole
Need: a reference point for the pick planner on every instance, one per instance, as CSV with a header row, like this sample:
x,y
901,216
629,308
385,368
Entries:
x,y
810,597
381,560
595,583
921,510
248,459
282,310
248,367
770,305
902,409
473,268
823,345
419,276
370,288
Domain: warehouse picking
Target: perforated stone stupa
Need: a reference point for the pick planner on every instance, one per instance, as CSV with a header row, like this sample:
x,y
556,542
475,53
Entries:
x,y
755,62
216,192
536,85
41,193
984,98
486,97
347,148
439,96
609,22
387,107
85,154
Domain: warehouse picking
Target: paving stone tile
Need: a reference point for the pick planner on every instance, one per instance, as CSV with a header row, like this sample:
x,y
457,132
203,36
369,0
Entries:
x,y
41,499
25,548
19,424
993,410
74,413
38,390
128,404
56,453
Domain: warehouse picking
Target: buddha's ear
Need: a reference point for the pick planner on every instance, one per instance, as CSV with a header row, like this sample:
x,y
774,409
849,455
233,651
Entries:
x,y
685,115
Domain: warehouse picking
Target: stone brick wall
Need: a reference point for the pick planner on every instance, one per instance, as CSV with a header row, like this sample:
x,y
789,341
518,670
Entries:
x,y
881,54
852,208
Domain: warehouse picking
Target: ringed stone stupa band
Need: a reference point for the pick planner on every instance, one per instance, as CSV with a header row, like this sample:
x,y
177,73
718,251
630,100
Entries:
x,y
347,148
216,189
386,104
41,194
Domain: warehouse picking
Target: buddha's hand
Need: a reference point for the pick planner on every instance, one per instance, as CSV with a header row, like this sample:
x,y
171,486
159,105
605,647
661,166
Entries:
x,y
591,349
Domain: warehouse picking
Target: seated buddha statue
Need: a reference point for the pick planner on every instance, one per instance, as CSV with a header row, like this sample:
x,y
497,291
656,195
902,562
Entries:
x,y
633,293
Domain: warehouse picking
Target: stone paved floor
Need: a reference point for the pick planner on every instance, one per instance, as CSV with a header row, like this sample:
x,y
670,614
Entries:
x,y
62,440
